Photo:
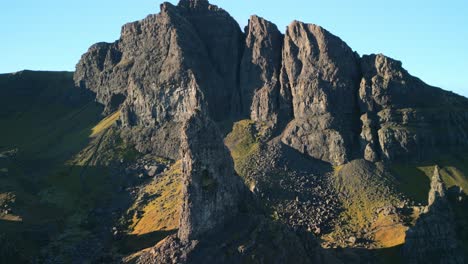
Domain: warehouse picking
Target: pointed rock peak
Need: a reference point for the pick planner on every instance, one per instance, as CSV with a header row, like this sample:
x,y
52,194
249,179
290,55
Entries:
x,y
295,23
194,4
437,187
301,25
301,30
211,191
260,24
381,64
164,7
294,27
254,19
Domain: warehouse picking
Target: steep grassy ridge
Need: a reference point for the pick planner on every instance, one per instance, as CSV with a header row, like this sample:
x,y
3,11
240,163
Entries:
x,y
44,120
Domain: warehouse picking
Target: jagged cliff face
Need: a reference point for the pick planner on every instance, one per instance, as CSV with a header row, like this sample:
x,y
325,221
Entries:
x,y
153,69
325,101
401,120
177,76
260,70
321,72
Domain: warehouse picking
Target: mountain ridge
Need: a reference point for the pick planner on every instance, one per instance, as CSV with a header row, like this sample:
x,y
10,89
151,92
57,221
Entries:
x,y
271,147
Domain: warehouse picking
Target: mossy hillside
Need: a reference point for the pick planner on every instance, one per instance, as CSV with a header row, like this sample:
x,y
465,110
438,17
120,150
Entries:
x,y
160,202
364,188
243,143
461,216
414,179
105,124
44,115
155,212
49,123
88,182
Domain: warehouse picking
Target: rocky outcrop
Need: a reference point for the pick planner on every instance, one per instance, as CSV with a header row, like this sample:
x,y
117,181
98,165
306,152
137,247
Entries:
x,y
222,40
433,238
212,191
308,78
260,70
322,74
176,75
401,120
151,71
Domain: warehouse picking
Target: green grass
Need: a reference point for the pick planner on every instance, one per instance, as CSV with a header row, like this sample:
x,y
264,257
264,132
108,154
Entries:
x,y
162,212
414,179
242,143
363,187
105,124
48,121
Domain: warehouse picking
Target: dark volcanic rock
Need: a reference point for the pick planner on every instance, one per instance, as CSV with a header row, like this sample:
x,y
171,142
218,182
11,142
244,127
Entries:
x,y
212,191
433,238
404,118
322,73
153,69
174,76
223,42
260,69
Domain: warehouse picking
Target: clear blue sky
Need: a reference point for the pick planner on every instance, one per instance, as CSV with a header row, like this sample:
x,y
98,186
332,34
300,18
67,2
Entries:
x,y
430,37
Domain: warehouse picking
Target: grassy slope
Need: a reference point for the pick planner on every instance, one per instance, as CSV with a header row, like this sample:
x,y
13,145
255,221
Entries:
x,y
155,213
48,121
365,188
161,212
62,174
242,144
414,178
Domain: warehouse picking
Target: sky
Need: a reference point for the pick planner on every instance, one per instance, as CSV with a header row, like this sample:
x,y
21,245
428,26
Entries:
x,y
430,37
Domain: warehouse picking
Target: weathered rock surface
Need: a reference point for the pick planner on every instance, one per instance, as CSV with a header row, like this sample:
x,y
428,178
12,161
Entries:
x,y
260,70
150,73
401,119
212,191
433,238
177,75
252,239
322,73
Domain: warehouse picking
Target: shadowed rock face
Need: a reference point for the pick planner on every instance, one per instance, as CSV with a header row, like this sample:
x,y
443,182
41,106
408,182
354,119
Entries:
x,y
176,75
156,64
211,190
260,69
321,72
401,119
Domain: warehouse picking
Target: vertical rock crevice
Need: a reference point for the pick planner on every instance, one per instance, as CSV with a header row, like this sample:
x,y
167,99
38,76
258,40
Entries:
x,y
260,70
321,72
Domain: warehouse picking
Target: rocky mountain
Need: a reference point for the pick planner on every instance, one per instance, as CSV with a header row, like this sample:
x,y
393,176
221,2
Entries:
x,y
217,145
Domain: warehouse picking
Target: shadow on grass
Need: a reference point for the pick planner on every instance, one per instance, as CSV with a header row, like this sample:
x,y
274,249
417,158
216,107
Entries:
x,y
134,243
390,255
20,243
